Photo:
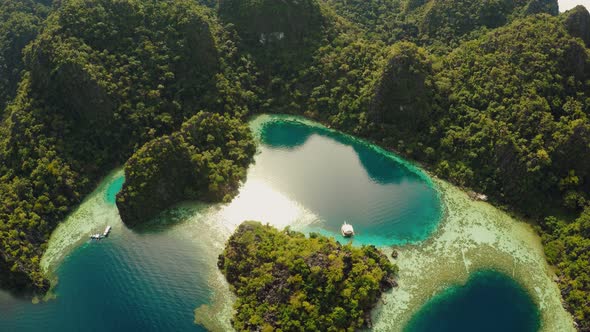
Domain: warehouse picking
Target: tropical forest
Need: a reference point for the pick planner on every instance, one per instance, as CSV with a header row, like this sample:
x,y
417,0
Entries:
x,y
294,165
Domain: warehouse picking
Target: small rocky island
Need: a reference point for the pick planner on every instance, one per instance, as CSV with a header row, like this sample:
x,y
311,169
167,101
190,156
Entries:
x,y
286,281
205,160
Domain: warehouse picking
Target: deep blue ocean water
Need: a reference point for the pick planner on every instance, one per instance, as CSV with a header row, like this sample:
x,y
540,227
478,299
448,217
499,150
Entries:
x,y
489,302
153,279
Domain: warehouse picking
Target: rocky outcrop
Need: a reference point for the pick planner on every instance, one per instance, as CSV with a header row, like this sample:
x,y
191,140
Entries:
x,y
283,279
577,23
205,160
403,95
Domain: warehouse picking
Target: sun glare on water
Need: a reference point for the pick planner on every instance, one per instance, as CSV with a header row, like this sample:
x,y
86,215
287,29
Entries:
x,y
259,201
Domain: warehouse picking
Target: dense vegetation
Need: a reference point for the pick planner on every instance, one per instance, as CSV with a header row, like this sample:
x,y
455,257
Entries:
x,y
267,21
512,118
567,246
205,160
281,38
438,24
19,24
491,94
285,281
505,113
404,94
512,121
102,78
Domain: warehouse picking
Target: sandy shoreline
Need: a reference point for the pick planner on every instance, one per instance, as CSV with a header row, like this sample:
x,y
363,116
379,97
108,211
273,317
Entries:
x,y
473,236
92,215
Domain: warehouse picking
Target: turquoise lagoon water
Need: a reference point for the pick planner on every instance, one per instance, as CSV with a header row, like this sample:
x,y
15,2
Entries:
x,y
113,189
489,302
340,178
305,176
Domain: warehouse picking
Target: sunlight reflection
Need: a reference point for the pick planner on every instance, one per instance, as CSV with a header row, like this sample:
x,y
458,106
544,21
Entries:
x,y
259,201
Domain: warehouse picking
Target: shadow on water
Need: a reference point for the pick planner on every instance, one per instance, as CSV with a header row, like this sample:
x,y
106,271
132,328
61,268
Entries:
x,y
286,134
489,301
14,284
291,134
170,217
383,169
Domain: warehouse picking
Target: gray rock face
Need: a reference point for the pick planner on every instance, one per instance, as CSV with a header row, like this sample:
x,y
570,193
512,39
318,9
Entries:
x,y
577,23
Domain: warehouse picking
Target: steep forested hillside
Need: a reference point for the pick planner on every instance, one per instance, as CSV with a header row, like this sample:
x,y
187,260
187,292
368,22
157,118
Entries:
x,y
286,281
577,23
205,160
404,94
514,114
266,21
20,21
566,246
439,24
102,78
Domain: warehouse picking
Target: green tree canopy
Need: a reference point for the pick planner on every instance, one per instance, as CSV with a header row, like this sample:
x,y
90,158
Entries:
x,y
286,281
205,160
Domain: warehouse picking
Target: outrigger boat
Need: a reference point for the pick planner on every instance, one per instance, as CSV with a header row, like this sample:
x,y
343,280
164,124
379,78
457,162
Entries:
x,y
96,236
99,236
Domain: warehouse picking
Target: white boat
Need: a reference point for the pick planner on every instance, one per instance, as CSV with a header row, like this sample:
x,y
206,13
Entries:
x,y
347,230
106,231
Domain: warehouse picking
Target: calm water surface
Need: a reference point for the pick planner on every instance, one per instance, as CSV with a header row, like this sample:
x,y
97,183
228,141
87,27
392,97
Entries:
x,y
489,302
340,178
146,281
307,177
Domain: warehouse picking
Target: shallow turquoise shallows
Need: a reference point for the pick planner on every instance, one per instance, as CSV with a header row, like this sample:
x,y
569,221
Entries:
x,y
113,189
489,302
305,176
